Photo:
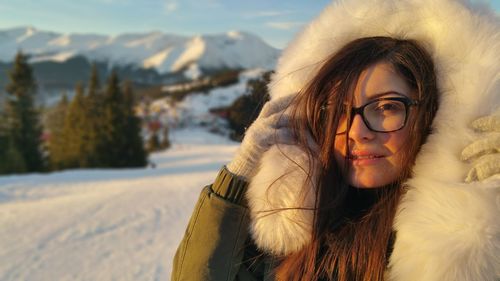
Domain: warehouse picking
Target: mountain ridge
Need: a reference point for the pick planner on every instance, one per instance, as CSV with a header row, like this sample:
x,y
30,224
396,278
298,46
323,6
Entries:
x,y
164,52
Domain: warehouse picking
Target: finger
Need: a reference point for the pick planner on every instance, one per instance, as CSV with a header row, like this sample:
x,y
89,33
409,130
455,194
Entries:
x,y
489,123
485,167
481,147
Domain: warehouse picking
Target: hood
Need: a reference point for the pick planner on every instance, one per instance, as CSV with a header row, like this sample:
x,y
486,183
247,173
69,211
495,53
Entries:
x,y
446,229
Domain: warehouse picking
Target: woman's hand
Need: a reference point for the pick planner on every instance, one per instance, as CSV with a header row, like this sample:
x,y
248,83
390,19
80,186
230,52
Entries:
x,y
485,152
270,127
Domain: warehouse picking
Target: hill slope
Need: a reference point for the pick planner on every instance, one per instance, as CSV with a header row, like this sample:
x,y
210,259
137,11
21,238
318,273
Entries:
x,y
106,224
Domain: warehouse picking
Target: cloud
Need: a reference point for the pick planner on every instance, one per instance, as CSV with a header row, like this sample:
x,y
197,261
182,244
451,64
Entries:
x,y
171,6
264,14
284,25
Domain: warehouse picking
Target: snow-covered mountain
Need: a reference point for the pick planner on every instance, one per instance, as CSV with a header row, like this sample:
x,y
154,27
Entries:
x,y
155,50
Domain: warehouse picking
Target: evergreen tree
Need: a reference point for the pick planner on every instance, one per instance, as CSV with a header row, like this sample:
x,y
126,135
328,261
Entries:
x,y
22,117
94,88
134,152
54,124
153,142
246,108
11,160
122,130
94,132
73,151
112,121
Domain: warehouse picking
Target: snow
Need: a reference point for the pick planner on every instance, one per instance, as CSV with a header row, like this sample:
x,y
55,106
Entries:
x,y
106,224
193,51
121,224
59,57
157,59
62,41
147,41
234,34
199,104
163,52
29,32
242,51
194,109
193,72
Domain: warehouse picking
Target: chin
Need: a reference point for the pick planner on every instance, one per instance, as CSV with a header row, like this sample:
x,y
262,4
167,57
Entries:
x,y
368,180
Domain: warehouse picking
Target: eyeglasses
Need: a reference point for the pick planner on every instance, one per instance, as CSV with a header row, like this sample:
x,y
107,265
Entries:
x,y
383,115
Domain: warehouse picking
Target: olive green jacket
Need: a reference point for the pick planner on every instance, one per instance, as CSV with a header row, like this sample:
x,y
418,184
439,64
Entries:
x,y
216,245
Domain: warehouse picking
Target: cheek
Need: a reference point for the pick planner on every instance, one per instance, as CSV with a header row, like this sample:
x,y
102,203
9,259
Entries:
x,y
387,171
395,142
340,149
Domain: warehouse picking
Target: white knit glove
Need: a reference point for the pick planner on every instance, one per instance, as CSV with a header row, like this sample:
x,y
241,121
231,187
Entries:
x,y
485,152
270,127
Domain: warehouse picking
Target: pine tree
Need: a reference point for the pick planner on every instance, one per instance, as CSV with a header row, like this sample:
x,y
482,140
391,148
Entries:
x,y
114,123
55,126
123,141
246,108
74,153
134,154
94,132
153,142
11,160
94,83
22,117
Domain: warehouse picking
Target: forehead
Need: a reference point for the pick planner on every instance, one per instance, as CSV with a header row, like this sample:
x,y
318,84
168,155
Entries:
x,y
380,79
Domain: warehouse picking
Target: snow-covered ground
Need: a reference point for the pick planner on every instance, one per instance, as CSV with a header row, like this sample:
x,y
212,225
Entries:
x,y
194,109
106,224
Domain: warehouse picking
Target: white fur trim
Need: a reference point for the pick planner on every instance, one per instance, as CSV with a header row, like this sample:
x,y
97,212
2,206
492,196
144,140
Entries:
x,y
447,230
277,230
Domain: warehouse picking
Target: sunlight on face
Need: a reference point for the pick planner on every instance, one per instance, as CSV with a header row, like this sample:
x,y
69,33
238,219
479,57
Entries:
x,y
373,158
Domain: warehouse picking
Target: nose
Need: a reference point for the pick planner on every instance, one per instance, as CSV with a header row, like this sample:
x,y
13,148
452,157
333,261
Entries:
x,y
358,131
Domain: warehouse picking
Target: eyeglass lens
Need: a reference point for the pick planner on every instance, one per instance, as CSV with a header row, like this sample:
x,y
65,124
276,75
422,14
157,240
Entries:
x,y
380,116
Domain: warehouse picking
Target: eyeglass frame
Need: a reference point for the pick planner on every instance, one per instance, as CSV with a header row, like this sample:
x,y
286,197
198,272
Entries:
x,y
360,110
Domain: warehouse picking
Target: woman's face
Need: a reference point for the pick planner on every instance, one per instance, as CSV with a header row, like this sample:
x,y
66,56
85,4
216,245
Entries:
x,y
374,158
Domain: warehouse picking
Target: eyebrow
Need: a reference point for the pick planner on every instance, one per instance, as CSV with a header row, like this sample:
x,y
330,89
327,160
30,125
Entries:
x,y
378,95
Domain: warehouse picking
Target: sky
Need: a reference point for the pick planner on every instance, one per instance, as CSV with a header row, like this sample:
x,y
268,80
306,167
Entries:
x,y
274,21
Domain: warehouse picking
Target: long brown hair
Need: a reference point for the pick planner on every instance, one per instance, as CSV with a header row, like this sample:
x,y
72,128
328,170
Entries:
x,y
355,250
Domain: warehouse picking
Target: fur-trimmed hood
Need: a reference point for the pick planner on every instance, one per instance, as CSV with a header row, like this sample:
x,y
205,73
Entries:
x,y
446,229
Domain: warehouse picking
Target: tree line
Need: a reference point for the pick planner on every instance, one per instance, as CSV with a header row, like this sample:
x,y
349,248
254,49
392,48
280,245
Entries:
x,y
245,109
98,128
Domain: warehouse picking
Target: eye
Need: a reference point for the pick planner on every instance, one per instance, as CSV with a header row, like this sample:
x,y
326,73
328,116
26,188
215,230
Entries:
x,y
389,106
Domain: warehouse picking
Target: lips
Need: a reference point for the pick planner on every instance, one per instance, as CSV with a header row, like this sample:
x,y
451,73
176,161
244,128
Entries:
x,y
359,157
362,155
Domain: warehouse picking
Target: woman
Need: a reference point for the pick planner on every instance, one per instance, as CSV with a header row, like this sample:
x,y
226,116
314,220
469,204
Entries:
x,y
352,172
